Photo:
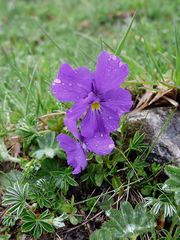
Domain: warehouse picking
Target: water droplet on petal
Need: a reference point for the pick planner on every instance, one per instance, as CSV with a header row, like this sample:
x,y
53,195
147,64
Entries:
x,y
70,84
112,57
57,80
120,64
111,145
102,135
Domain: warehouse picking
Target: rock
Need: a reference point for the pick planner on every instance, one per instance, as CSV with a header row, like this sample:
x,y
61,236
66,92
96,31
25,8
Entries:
x,y
151,121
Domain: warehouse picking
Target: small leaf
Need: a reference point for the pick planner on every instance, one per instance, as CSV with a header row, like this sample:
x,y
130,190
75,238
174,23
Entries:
x,y
48,146
71,181
28,226
37,232
99,159
99,178
47,227
173,183
116,182
73,220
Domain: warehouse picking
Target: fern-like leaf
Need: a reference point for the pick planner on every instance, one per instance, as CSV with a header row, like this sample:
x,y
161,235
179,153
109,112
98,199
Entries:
x,y
16,197
162,204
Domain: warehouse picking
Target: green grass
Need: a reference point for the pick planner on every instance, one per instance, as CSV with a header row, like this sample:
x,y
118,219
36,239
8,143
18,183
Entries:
x,y
37,36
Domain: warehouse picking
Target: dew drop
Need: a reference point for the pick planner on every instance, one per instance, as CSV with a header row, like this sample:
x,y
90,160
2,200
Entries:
x,y
111,145
112,57
70,84
102,135
120,64
57,80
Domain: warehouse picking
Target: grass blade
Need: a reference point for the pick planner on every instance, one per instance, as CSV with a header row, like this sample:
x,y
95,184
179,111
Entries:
x,y
151,55
177,77
120,46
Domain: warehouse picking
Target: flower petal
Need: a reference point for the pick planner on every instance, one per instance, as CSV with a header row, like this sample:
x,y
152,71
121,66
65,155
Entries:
x,y
100,144
110,118
92,123
118,99
75,153
102,121
73,115
110,72
71,84
76,112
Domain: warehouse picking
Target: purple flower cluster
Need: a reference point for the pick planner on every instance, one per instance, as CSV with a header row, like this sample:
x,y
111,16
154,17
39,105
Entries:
x,y
99,103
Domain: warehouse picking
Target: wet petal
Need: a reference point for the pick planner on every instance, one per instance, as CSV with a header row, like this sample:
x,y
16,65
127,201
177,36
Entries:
x,y
110,72
71,84
92,123
102,121
109,118
75,153
73,115
119,100
100,144
88,124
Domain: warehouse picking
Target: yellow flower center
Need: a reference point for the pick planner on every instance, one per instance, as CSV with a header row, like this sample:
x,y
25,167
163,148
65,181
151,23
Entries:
x,y
95,106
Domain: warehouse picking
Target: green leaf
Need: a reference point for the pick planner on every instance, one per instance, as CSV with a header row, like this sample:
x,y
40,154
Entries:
x,y
126,223
58,222
173,183
29,216
47,227
37,224
102,234
37,231
26,128
116,182
71,181
5,237
16,196
73,220
8,179
136,143
99,159
107,203
99,178
28,226
48,146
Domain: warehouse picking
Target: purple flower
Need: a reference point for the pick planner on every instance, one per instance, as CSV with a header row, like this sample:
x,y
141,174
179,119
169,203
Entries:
x,y
99,102
98,105
76,150
76,156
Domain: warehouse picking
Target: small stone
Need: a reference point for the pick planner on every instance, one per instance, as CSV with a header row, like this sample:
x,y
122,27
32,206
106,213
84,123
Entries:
x,y
167,148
